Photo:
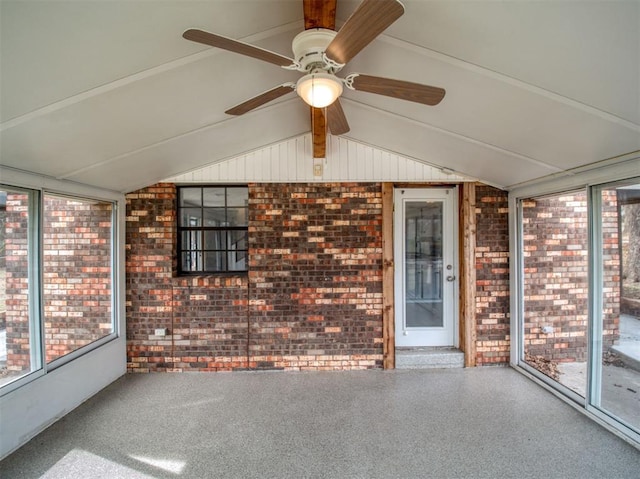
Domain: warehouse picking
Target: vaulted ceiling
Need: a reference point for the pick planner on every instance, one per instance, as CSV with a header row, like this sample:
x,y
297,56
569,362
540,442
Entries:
x,y
109,94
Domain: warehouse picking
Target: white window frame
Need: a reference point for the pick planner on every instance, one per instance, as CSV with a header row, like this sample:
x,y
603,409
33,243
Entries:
x,y
592,179
36,283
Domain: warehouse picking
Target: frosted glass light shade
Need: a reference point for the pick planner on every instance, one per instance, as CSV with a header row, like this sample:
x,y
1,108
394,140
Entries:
x,y
319,89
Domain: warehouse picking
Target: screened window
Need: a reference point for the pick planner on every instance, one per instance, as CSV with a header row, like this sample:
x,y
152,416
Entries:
x,y
212,229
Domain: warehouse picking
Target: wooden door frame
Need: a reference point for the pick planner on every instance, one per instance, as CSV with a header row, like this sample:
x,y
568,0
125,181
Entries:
x,y
467,270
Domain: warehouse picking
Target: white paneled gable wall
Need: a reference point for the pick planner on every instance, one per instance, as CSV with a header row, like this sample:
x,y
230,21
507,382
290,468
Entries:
x,y
291,161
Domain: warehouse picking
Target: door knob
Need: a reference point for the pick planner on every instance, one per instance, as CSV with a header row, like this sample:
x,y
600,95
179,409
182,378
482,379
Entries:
x,y
451,278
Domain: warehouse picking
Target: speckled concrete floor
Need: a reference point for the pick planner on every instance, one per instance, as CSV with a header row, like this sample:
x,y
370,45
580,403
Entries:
x,y
484,422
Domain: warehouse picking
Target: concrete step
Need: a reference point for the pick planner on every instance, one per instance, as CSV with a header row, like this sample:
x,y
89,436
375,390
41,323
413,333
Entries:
x,y
429,358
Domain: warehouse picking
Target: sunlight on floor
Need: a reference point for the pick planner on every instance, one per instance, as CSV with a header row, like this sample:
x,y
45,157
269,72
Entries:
x,y
168,465
79,463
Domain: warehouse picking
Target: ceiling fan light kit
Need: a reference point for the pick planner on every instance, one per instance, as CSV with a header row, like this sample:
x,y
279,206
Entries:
x,y
320,53
319,90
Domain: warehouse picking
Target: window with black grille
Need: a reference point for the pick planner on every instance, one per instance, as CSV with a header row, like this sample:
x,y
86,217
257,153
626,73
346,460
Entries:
x,y
212,229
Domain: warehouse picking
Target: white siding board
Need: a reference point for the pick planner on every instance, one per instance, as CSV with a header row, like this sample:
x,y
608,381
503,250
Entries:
x,y
377,165
292,161
367,172
386,165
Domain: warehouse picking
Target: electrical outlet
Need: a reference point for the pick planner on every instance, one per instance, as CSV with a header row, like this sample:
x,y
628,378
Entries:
x,y
317,169
161,332
547,329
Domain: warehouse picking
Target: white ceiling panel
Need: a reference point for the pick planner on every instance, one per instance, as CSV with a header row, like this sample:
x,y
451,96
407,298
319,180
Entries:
x,y
52,50
109,94
201,147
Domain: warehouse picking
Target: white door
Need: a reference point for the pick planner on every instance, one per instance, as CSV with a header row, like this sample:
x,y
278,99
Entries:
x,y
426,267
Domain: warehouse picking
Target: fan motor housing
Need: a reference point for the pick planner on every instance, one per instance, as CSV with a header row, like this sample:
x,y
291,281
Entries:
x,y
309,46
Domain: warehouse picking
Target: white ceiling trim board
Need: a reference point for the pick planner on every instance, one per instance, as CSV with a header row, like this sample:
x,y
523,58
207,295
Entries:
x,y
27,179
207,52
611,169
509,80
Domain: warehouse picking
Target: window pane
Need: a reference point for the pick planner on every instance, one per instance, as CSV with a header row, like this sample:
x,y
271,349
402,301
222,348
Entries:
x,y
191,240
215,217
237,256
237,216
238,240
18,341
237,197
555,287
77,273
192,261
215,240
190,217
215,261
237,260
213,197
190,197
619,324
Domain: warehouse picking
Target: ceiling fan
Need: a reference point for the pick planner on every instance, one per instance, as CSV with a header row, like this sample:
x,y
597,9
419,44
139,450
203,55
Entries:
x,y
320,52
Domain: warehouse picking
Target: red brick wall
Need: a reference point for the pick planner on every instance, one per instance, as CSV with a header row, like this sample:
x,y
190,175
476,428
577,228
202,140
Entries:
x,y
315,262
312,298
205,318
492,276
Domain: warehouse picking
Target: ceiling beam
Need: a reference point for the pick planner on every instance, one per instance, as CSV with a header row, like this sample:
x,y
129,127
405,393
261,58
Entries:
x,y
319,130
319,14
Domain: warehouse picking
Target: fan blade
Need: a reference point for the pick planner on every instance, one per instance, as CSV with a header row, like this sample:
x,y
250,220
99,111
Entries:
x,y
319,133
404,90
319,14
336,119
236,46
261,99
369,20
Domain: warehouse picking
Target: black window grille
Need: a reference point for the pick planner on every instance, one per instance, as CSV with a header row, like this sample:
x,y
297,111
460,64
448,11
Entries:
x,y
212,229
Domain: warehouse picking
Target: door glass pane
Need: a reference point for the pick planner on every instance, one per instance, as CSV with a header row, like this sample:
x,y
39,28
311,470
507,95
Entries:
x,y
423,264
619,324
555,287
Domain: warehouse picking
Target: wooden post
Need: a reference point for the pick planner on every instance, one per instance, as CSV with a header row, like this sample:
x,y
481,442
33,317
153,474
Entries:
x,y
388,321
468,274
319,132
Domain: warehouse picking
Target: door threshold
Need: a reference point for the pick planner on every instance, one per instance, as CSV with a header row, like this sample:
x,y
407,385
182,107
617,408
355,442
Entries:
x,y
429,357
427,348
